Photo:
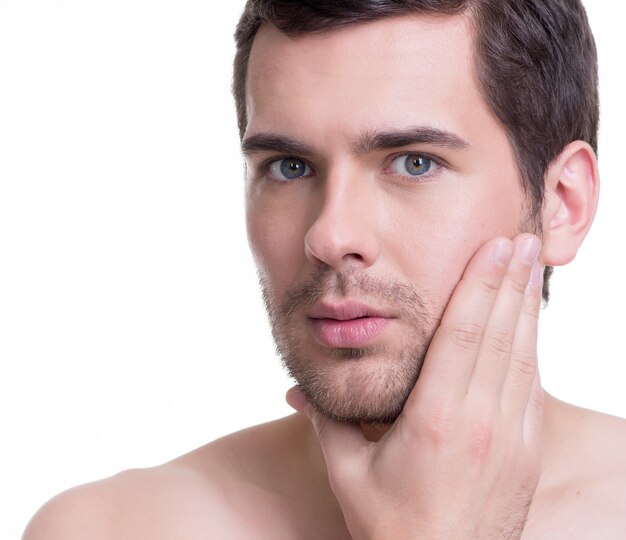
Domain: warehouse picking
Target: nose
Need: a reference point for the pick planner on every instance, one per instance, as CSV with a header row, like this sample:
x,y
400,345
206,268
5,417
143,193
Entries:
x,y
344,229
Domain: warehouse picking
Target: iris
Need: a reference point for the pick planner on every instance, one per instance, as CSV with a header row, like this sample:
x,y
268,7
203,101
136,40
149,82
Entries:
x,y
292,168
417,165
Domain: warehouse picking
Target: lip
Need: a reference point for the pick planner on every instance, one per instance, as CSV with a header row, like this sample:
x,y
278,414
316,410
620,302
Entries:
x,y
349,324
346,311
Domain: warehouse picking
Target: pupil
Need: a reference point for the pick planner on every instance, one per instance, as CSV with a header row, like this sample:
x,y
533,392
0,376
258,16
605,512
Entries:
x,y
417,164
292,168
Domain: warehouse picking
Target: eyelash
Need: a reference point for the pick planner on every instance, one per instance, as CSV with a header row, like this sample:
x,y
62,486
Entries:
x,y
440,163
264,167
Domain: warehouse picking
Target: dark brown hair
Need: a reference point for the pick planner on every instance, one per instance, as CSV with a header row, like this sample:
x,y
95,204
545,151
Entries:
x,y
535,60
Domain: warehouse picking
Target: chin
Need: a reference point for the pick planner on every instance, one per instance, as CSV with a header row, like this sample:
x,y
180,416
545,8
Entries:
x,y
355,387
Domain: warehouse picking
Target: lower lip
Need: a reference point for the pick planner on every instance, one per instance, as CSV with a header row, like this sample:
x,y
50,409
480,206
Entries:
x,y
350,333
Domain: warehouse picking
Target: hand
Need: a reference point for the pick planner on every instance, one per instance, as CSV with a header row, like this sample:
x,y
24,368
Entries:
x,y
462,461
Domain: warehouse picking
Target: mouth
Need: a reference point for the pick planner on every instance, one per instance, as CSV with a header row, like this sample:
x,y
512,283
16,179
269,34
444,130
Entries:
x,y
349,324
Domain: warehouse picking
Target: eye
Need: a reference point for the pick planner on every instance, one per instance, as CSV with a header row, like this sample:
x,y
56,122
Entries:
x,y
413,165
288,169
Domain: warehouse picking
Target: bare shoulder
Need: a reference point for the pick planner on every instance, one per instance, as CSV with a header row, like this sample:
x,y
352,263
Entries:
x,y
161,502
601,439
605,458
198,495
593,444
583,494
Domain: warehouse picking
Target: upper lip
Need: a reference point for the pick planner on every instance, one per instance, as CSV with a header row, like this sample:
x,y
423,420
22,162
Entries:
x,y
345,311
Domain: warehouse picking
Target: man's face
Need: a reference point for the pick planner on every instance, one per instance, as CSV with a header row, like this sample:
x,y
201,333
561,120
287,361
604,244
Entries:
x,y
375,170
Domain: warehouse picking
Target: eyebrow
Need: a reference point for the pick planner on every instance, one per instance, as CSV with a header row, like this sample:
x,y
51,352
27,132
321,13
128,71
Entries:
x,y
265,142
370,141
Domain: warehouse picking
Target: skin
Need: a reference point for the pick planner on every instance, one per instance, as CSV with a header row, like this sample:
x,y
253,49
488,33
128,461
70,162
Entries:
x,y
354,210
497,457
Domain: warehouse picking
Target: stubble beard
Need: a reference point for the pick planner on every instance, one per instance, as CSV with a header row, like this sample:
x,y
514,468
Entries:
x,y
374,394
368,385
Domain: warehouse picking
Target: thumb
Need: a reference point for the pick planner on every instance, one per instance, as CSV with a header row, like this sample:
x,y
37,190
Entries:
x,y
341,442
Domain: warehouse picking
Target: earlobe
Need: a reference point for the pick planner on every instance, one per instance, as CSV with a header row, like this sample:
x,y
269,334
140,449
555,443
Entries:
x,y
572,189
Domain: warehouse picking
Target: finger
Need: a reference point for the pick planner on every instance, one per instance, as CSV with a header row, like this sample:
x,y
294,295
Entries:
x,y
493,360
523,365
453,349
533,419
342,444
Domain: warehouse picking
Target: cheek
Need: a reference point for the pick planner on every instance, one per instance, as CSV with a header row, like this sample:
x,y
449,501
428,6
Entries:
x,y
276,244
433,255
431,243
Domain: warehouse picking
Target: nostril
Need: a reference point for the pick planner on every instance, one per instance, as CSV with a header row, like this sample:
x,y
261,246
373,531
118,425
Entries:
x,y
339,244
355,255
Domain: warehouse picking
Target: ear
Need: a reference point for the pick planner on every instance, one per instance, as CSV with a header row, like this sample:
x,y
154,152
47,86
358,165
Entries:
x,y
571,194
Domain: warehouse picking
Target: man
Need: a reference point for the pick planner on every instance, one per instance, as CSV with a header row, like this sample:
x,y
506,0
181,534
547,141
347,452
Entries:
x,y
411,168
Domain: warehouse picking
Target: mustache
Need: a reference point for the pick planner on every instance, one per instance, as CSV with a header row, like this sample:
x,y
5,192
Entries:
x,y
353,283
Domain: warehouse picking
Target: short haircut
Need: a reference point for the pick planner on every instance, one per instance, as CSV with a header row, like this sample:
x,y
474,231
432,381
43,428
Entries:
x,y
535,59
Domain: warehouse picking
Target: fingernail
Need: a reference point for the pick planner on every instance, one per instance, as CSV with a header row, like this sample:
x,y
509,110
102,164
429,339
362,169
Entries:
x,y
530,249
502,252
535,275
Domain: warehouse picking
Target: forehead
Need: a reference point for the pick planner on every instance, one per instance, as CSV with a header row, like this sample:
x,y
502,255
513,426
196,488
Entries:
x,y
385,73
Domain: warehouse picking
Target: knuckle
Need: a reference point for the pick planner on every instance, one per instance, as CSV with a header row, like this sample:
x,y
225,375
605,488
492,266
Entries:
x,y
489,285
524,364
516,284
435,424
500,340
466,335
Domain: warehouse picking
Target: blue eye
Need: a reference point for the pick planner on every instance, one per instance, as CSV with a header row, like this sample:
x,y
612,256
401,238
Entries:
x,y
413,165
289,169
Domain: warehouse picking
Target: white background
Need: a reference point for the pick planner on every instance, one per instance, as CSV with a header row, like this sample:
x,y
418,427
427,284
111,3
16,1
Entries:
x,y
131,327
